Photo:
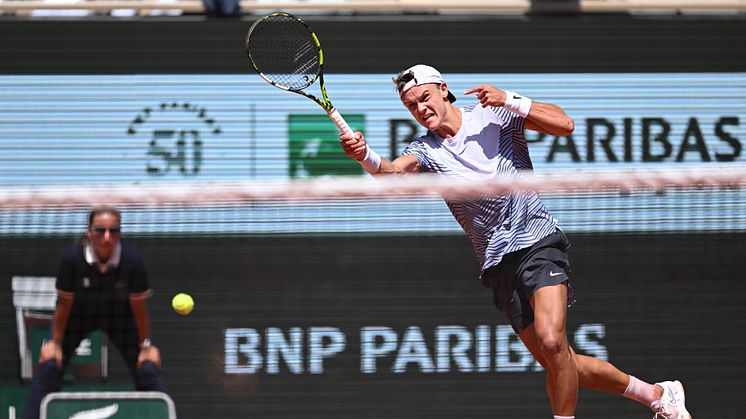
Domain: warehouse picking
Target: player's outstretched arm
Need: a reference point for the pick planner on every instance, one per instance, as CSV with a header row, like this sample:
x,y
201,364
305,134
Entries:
x,y
357,149
542,117
549,119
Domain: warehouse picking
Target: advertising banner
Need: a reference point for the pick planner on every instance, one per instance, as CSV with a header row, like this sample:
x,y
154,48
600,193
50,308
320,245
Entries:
x,y
399,326
62,130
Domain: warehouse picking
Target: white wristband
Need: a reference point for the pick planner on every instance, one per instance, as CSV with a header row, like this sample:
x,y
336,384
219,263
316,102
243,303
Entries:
x,y
372,161
519,105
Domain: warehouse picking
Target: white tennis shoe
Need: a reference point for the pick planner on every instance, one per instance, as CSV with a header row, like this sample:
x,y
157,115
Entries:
x,y
671,404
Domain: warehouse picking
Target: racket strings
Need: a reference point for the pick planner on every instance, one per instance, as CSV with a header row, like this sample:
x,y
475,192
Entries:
x,y
283,50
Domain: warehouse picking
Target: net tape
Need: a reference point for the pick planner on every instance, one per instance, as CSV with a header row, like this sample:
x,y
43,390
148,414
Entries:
x,y
215,192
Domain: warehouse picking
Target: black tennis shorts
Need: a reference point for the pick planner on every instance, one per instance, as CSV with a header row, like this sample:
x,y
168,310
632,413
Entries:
x,y
519,274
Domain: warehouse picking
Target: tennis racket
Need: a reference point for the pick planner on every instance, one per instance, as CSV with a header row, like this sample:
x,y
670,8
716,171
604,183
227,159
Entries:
x,y
287,54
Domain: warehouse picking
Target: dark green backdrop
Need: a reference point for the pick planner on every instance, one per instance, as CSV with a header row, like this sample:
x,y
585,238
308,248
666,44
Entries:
x,y
385,44
669,304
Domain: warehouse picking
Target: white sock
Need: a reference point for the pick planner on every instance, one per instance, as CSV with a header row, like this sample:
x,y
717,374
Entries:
x,y
564,417
641,391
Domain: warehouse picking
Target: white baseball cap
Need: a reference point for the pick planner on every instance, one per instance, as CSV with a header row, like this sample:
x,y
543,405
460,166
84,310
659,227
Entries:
x,y
422,74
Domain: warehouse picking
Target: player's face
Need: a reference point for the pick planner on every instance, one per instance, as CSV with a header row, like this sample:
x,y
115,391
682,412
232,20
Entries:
x,y
103,234
428,104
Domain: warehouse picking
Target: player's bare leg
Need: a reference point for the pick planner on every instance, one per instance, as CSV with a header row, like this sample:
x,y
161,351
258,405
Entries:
x,y
550,338
593,373
600,375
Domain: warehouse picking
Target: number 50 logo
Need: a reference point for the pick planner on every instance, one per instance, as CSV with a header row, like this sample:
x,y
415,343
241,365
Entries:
x,y
175,137
169,148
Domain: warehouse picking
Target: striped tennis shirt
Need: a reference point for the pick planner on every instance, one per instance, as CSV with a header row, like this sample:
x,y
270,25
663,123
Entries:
x,y
490,144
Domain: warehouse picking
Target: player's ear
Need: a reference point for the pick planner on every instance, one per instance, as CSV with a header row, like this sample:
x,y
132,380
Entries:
x,y
444,92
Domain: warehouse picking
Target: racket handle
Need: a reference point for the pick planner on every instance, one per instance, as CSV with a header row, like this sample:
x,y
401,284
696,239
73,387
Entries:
x,y
339,121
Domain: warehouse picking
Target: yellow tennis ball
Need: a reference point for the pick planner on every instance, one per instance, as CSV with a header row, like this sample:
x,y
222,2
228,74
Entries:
x,y
183,303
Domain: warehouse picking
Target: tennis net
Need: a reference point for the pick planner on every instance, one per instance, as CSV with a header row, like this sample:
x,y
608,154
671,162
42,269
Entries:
x,y
667,200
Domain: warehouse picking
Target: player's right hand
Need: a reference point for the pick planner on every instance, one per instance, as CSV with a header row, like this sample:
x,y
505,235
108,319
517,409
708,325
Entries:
x,y
354,146
51,350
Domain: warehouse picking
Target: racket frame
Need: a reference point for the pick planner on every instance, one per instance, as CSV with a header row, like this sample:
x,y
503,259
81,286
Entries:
x,y
324,102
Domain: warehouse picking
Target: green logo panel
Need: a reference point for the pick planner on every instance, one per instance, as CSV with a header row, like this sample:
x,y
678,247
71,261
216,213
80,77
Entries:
x,y
108,408
87,358
89,351
313,144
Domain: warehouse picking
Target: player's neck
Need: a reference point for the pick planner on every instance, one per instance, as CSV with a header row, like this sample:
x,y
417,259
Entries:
x,y
451,123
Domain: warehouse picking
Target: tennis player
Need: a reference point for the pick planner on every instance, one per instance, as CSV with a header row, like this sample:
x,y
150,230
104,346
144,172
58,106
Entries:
x,y
522,251
102,284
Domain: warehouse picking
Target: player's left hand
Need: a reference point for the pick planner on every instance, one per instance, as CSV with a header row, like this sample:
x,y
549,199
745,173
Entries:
x,y
152,354
488,95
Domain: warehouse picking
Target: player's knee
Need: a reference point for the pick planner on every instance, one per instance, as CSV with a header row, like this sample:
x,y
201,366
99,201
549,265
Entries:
x,y
553,347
